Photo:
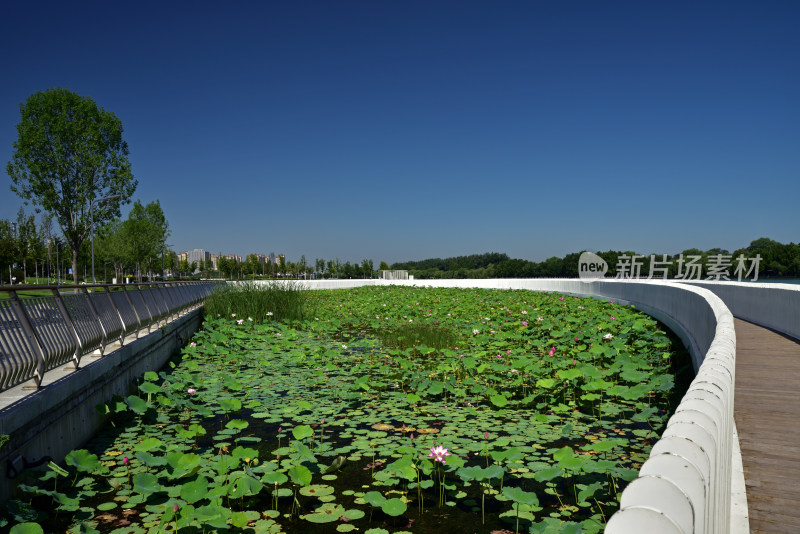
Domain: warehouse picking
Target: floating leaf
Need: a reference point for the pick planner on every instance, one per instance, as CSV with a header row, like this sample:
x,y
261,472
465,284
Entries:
x,y
26,528
394,507
302,432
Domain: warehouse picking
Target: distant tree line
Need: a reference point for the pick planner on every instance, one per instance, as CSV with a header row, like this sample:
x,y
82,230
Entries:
x,y
778,260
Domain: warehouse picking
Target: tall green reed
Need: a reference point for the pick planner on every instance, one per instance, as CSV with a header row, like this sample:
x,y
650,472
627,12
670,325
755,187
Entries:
x,y
272,301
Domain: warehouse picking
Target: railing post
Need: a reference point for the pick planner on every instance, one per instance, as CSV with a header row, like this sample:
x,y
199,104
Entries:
x,y
96,318
135,313
119,314
147,307
33,339
63,309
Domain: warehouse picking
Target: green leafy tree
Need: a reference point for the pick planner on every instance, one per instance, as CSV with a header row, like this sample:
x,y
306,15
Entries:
x,y
69,153
8,250
367,268
252,265
29,243
111,245
146,230
383,266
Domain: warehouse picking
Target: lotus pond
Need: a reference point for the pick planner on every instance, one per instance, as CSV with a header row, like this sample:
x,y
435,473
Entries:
x,y
388,410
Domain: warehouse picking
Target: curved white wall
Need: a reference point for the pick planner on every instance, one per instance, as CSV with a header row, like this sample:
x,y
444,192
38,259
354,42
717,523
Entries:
x,y
776,306
685,485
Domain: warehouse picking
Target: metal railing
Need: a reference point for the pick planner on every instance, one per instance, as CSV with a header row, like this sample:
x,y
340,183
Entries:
x,y
40,333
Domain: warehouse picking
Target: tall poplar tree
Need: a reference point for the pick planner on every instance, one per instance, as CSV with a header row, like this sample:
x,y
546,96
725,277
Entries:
x,y
69,153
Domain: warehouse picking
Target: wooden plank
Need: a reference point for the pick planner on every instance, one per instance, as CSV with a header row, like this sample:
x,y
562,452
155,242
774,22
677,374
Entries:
x,y
767,414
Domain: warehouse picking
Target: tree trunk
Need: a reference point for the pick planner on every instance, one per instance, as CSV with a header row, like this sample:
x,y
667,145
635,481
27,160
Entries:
x,y
74,264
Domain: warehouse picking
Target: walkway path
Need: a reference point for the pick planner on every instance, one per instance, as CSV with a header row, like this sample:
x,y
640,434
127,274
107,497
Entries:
x,y
767,413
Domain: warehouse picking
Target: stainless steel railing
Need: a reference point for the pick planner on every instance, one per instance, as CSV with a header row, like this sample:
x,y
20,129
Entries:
x,y
40,333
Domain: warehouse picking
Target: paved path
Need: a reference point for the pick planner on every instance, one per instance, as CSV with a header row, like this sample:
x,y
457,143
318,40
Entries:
x,y
767,413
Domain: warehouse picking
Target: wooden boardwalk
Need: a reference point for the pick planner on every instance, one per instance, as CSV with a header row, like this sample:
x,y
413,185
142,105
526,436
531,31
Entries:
x,y
767,413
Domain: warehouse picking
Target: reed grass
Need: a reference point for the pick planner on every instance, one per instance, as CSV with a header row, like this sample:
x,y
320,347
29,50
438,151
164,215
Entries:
x,y
282,301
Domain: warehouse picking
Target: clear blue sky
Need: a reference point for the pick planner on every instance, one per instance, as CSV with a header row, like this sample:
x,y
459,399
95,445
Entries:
x,y
408,130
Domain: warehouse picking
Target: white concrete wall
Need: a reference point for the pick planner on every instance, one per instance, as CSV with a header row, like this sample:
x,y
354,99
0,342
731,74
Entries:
x,y
776,306
685,485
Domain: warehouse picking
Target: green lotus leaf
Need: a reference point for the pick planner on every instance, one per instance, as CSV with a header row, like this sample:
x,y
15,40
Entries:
x,y
145,483
239,519
183,464
374,498
499,400
300,475
353,514
137,404
194,491
149,460
213,515
274,477
545,383
149,388
148,444
244,453
82,460
26,528
230,405
549,473
394,507
244,486
327,513
237,424
302,432
523,497
151,376
316,490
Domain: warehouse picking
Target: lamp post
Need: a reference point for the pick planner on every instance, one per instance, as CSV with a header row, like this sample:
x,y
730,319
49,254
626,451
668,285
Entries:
x,y
91,216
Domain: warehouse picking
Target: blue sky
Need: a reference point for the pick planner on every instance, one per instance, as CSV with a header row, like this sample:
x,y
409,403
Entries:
x,y
407,130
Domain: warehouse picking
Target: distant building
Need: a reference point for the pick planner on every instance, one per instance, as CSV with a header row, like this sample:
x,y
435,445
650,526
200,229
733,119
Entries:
x,y
393,275
198,255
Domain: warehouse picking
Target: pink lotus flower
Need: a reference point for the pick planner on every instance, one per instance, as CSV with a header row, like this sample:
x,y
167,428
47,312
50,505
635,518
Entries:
x,y
175,507
125,460
191,391
192,344
439,454
508,351
486,435
552,351
524,323
613,318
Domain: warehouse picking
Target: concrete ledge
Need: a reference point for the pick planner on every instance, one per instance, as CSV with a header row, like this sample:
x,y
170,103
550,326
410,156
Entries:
x,y
61,416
